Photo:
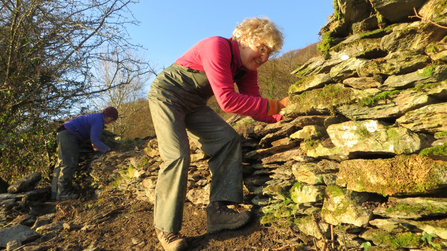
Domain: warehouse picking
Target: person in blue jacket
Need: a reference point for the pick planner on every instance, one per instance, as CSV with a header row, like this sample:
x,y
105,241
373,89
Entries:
x,y
69,136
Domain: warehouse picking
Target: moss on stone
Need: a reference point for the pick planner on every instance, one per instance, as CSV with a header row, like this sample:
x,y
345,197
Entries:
x,y
442,223
427,71
371,101
428,86
279,214
362,131
337,12
325,45
403,174
437,150
441,134
143,162
334,191
415,209
399,240
275,189
367,44
302,220
309,144
334,94
379,16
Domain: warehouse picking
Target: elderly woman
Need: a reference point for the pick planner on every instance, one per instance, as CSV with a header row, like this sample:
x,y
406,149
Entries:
x,y
177,101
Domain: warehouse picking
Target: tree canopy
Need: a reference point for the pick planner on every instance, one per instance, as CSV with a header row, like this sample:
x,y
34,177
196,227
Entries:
x,y
48,49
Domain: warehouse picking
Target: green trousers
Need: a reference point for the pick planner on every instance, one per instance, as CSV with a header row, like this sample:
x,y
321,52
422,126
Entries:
x,y
68,155
174,122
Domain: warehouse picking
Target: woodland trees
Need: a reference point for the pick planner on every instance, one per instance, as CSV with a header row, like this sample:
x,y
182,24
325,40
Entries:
x,y
47,51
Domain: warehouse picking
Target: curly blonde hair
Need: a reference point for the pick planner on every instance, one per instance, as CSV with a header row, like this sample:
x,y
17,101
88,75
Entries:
x,y
259,31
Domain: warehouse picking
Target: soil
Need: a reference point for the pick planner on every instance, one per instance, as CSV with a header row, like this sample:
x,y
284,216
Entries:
x,y
116,221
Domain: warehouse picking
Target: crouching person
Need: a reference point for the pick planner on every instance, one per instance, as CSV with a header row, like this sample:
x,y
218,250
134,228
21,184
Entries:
x,y
177,101
69,137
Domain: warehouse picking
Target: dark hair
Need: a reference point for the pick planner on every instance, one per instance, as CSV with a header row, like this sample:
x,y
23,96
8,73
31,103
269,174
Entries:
x,y
111,112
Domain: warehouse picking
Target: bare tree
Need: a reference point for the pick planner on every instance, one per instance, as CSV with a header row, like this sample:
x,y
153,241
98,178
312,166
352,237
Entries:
x,y
125,81
47,51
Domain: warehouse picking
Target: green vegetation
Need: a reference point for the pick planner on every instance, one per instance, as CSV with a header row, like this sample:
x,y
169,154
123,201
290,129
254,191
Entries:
x,y
362,131
428,240
337,12
399,240
371,101
127,172
441,134
143,162
366,245
334,191
276,189
428,71
378,16
414,209
279,214
437,150
308,144
44,77
116,182
428,86
330,95
325,45
403,174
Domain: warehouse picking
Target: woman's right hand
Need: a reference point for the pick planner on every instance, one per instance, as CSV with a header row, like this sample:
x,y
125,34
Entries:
x,y
275,106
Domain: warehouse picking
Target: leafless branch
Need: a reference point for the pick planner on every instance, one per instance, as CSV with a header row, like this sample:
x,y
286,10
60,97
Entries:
x,y
416,14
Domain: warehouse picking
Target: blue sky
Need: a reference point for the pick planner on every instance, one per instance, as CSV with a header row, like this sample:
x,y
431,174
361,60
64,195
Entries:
x,y
169,28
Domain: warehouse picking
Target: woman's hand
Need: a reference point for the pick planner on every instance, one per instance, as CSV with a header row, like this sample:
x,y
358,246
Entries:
x,y
275,106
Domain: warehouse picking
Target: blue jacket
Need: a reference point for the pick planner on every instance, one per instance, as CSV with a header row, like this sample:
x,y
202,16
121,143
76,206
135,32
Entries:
x,y
88,126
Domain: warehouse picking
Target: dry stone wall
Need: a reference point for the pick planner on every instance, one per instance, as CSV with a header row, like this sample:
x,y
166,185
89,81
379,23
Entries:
x,y
360,157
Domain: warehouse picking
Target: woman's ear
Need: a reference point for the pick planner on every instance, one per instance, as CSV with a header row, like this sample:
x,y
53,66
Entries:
x,y
243,42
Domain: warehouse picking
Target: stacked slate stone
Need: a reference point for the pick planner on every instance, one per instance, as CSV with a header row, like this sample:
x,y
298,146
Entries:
x,y
361,158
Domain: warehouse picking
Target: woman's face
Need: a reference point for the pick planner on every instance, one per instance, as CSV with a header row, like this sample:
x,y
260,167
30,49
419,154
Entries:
x,y
253,55
108,120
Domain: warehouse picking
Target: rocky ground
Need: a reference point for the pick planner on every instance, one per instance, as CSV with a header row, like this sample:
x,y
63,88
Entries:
x,y
116,220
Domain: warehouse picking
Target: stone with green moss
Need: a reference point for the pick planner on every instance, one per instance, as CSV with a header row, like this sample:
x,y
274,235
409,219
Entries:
x,y
302,193
368,137
389,240
401,175
427,119
323,101
344,207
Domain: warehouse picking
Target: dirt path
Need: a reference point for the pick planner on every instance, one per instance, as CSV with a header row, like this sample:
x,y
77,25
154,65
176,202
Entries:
x,y
119,222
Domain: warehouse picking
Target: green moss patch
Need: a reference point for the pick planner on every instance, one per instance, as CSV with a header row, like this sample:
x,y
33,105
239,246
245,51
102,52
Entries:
x,y
406,239
437,150
330,95
404,174
371,101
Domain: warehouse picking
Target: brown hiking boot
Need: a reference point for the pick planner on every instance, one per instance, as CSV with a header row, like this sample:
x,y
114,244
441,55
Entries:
x,y
220,217
171,241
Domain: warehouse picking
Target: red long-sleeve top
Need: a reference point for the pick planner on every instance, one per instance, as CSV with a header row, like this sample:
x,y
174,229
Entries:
x,y
214,56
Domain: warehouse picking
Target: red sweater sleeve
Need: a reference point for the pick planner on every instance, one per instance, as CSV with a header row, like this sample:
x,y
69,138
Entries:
x,y
213,55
